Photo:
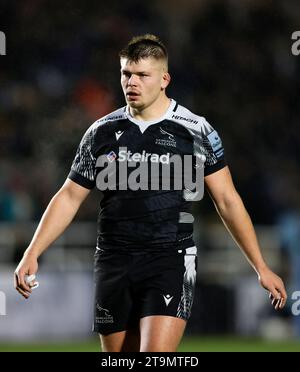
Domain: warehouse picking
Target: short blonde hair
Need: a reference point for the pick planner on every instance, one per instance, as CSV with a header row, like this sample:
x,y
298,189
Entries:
x,y
144,46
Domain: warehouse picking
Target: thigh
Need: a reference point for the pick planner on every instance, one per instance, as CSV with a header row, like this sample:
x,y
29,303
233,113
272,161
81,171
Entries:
x,y
166,300
161,333
124,341
168,288
113,301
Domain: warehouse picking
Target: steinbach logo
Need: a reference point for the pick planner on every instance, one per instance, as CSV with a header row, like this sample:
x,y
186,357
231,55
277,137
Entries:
x,y
104,315
149,171
2,44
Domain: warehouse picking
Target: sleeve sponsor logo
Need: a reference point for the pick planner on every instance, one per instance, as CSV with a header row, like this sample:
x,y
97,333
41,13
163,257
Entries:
x,y
189,120
215,142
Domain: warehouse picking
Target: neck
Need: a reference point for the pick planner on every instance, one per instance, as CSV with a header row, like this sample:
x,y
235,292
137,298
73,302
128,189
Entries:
x,y
152,112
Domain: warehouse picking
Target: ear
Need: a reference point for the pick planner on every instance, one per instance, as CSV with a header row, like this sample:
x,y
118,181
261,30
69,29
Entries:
x,y
165,81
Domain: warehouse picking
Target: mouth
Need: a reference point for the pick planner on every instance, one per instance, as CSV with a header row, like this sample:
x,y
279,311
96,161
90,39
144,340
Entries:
x,y
132,95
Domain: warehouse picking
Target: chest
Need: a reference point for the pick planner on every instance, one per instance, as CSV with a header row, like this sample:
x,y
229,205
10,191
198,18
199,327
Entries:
x,y
156,139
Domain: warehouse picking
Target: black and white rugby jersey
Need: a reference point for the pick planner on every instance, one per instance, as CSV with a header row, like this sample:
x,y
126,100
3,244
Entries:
x,y
152,218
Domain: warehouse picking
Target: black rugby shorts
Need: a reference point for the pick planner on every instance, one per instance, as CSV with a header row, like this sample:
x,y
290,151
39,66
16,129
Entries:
x,y
130,286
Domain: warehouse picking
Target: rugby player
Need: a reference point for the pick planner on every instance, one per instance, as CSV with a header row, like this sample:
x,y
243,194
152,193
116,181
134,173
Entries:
x,y
146,259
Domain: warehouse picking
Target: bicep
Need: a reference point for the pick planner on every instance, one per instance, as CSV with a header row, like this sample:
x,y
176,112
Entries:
x,y
76,192
220,186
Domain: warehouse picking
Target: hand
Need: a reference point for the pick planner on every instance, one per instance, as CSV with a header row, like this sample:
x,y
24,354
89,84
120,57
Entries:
x,y
27,266
273,283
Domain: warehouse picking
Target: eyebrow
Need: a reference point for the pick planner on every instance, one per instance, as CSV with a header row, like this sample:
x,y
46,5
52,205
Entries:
x,y
136,73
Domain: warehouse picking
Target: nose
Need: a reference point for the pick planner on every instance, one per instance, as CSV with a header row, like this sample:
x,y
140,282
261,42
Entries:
x,y
132,81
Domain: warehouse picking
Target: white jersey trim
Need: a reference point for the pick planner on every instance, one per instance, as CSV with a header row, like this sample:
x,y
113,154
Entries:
x,y
193,122
143,125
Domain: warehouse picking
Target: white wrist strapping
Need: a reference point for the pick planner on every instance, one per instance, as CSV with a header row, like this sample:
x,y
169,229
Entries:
x,y
29,279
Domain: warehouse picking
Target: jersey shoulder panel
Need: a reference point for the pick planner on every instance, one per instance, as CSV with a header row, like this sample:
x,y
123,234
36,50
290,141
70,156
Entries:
x,y
83,166
190,120
207,141
119,114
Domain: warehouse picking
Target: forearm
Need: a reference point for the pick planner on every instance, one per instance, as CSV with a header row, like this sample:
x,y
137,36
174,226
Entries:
x,y
58,215
238,222
235,217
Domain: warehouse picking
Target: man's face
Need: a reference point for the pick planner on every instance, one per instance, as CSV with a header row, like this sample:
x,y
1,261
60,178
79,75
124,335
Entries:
x,y
143,82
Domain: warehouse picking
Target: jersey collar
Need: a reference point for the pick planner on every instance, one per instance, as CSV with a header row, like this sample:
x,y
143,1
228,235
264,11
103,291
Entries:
x,y
143,125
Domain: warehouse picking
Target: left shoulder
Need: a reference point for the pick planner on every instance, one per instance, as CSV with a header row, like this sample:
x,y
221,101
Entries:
x,y
191,121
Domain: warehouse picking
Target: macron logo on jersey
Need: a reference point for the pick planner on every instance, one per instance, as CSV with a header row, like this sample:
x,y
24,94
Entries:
x,y
119,134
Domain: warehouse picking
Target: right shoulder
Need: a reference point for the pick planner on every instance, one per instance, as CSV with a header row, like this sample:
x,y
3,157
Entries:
x,y
90,134
119,114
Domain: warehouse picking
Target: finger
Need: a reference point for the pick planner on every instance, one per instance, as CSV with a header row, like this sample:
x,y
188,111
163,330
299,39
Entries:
x,y
275,294
275,298
281,304
283,297
34,285
17,278
23,293
283,293
278,302
26,296
22,284
16,281
275,303
278,297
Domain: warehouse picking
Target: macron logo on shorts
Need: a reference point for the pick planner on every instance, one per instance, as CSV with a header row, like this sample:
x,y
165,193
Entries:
x,y
167,299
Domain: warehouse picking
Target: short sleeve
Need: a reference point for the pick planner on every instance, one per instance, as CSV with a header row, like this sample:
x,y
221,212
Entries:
x,y
214,152
83,166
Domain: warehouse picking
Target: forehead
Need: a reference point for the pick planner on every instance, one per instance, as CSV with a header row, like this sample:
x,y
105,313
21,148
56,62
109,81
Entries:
x,y
145,64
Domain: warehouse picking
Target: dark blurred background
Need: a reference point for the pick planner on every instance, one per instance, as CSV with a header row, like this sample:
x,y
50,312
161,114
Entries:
x,y
230,61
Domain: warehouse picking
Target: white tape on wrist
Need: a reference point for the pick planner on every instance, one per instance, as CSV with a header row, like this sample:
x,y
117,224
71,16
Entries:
x,y
29,279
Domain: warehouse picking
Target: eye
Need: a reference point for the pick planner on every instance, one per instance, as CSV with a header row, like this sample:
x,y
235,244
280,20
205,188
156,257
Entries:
x,y
126,73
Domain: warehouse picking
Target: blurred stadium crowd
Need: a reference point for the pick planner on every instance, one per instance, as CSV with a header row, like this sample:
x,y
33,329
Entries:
x,y
230,61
